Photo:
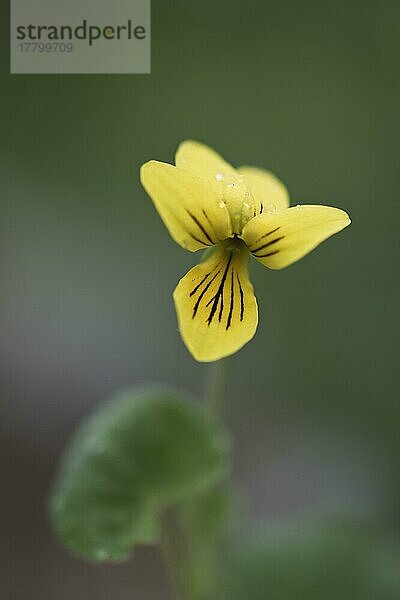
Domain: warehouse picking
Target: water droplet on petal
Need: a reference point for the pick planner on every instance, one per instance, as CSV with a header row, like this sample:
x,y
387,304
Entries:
x,y
270,207
219,176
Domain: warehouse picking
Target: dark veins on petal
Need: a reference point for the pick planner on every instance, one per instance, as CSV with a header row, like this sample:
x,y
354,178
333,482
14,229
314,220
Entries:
x,y
196,306
202,228
220,294
198,239
267,244
264,236
218,298
228,323
241,299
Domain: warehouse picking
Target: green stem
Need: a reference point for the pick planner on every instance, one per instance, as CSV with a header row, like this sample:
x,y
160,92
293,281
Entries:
x,y
175,543
173,549
215,387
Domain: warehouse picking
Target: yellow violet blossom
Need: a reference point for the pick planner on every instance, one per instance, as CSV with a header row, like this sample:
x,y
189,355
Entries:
x,y
205,202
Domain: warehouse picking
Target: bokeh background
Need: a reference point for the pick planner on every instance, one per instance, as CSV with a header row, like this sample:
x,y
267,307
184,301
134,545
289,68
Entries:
x,y
308,89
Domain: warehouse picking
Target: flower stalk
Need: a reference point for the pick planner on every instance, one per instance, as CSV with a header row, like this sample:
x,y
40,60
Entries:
x,y
215,386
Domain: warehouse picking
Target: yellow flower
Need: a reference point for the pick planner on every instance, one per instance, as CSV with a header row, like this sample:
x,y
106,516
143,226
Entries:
x,y
205,202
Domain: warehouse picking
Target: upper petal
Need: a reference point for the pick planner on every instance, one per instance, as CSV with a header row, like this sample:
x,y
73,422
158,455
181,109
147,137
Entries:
x,y
216,306
228,184
269,191
202,161
279,239
190,208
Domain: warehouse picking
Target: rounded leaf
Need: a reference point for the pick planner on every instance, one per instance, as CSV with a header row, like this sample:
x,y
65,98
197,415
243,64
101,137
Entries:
x,y
141,452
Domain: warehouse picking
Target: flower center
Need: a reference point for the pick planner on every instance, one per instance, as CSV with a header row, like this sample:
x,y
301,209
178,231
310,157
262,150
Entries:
x,y
234,244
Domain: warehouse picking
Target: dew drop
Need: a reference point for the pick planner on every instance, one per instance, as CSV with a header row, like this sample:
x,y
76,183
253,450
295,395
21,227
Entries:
x,y
219,176
270,207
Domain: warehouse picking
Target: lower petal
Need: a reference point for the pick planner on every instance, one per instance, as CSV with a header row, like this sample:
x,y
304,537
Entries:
x,y
215,304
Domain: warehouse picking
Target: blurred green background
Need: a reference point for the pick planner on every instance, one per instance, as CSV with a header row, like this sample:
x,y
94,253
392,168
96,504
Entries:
x,y
307,89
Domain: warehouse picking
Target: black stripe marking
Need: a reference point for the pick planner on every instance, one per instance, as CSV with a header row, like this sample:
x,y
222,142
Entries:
x,y
200,226
261,207
196,306
221,308
241,299
269,254
208,218
198,240
219,293
228,322
266,235
199,284
203,280
266,245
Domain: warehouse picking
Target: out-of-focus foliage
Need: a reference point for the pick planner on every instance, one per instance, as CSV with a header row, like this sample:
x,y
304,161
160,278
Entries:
x,y
314,561
207,521
308,89
139,454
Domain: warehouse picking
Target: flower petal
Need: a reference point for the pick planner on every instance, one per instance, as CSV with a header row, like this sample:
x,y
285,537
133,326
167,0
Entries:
x,y
269,191
227,183
189,207
279,239
202,161
216,306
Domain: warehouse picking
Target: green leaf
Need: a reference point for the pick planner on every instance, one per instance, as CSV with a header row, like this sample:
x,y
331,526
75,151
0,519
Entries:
x,y
209,515
314,560
143,451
